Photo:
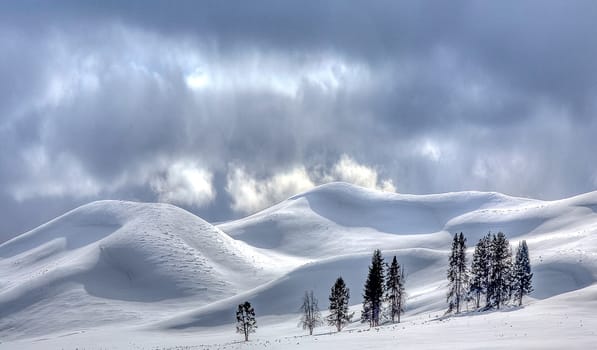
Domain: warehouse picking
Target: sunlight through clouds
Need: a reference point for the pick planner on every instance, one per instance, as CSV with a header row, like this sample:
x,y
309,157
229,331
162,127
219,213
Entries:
x,y
185,183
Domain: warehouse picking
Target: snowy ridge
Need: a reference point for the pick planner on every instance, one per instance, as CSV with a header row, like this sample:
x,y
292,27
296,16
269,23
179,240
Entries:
x,y
103,255
157,267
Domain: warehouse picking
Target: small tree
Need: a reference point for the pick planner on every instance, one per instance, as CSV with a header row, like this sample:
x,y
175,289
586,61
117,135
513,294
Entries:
x,y
245,319
521,275
339,296
374,291
501,264
480,269
311,316
395,295
457,273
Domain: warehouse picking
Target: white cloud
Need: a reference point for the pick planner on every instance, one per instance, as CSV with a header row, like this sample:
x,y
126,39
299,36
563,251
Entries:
x,y
186,183
250,195
197,79
348,170
387,185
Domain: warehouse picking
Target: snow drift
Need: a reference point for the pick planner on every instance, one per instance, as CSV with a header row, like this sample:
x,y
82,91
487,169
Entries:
x,y
156,266
101,256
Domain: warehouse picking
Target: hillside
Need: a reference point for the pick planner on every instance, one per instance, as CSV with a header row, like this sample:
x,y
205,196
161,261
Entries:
x,y
115,266
125,261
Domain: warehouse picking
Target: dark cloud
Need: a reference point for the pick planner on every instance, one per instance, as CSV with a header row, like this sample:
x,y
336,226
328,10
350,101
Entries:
x,y
95,99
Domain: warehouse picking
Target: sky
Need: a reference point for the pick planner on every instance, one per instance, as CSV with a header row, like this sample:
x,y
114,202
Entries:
x,y
227,107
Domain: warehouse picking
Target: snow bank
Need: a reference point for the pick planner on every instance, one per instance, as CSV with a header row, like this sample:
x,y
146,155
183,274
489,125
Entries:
x,y
158,267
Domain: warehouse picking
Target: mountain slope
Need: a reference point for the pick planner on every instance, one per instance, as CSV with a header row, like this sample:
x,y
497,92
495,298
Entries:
x,y
106,255
157,267
338,226
337,218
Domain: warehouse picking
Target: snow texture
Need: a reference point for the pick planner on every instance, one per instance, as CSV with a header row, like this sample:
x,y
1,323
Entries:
x,y
114,274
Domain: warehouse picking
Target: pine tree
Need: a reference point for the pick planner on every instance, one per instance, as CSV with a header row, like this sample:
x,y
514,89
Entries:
x,y
490,261
395,295
501,264
457,273
374,291
311,316
511,276
366,316
339,296
245,319
521,274
480,269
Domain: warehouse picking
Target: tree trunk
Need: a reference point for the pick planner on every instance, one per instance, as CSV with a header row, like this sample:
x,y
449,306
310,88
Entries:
x,y
458,294
478,298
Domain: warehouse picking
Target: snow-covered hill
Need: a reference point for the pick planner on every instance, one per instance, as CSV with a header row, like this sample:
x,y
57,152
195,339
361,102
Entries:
x,y
113,261
113,266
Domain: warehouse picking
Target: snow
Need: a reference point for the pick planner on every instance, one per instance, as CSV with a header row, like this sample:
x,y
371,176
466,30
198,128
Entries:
x,y
115,274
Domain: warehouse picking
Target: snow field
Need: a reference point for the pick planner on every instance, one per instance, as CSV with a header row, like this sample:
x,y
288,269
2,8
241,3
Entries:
x,y
115,274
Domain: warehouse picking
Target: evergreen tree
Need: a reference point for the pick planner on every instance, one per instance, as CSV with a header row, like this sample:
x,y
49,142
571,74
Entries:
x,y
311,316
521,274
339,296
511,276
501,264
480,269
374,291
395,295
457,273
366,315
245,319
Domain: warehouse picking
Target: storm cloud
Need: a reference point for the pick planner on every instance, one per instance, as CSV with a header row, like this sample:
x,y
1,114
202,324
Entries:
x,y
225,107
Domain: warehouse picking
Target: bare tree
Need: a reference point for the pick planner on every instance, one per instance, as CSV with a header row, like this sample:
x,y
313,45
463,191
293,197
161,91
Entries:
x,y
311,316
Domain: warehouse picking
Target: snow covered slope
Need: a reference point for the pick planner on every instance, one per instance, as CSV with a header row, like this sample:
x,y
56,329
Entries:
x,y
157,267
123,262
338,225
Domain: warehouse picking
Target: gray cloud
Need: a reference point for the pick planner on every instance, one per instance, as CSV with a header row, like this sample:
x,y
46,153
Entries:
x,y
103,100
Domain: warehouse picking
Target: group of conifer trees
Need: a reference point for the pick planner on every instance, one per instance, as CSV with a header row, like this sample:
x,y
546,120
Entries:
x,y
383,298
493,273
384,295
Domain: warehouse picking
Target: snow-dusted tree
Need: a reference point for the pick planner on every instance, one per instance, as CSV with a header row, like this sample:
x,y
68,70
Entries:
x,y
501,265
480,269
521,273
311,316
245,319
374,291
339,296
366,314
457,273
395,295
511,277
